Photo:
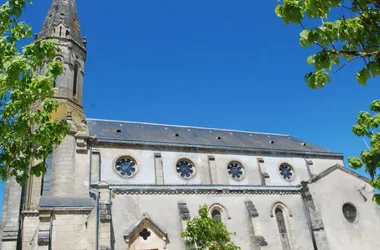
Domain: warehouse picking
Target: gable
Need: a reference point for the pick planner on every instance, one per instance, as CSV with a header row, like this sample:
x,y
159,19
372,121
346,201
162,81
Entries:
x,y
338,168
143,223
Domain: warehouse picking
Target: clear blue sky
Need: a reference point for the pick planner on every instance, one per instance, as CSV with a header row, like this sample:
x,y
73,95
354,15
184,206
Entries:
x,y
224,64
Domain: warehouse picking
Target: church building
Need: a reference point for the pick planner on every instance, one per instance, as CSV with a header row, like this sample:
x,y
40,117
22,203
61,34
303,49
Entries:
x,y
133,186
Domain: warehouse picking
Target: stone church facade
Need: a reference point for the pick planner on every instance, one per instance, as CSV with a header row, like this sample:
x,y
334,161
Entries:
x,y
125,185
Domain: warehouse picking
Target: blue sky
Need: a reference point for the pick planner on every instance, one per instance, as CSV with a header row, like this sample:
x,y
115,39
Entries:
x,y
224,64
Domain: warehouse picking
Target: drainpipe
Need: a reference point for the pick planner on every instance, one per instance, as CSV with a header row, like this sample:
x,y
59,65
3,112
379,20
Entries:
x,y
90,167
111,228
97,221
50,230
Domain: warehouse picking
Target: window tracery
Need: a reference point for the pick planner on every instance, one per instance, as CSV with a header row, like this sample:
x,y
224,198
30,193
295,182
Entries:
x,y
126,166
235,170
185,168
286,171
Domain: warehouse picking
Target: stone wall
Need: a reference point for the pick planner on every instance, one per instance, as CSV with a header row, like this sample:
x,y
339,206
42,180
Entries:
x,y
73,230
163,210
334,190
207,171
10,215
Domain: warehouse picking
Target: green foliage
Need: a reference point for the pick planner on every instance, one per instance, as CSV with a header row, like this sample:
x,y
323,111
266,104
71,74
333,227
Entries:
x,y
204,232
354,35
27,133
367,128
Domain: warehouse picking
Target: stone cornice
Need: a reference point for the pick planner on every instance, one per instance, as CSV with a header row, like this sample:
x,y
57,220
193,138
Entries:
x,y
203,189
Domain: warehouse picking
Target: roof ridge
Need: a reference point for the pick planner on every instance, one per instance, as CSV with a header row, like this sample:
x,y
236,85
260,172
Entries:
x,y
193,127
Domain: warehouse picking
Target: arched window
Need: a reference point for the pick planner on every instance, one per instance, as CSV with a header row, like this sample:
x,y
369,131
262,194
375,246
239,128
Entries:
x,y
75,83
282,228
216,215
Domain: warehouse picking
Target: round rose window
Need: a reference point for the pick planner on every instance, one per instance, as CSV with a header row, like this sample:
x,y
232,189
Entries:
x,y
286,171
185,168
235,170
126,166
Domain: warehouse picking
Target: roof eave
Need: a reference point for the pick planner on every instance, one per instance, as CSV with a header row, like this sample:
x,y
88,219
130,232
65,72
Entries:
x,y
218,147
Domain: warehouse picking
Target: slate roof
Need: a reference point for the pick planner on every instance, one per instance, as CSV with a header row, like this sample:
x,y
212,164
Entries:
x,y
62,11
158,134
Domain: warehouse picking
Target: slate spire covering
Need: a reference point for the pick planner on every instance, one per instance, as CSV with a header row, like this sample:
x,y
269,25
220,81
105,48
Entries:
x,y
62,12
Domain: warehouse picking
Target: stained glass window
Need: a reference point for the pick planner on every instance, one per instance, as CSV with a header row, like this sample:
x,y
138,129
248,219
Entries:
x,y
349,212
235,170
286,171
126,167
185,168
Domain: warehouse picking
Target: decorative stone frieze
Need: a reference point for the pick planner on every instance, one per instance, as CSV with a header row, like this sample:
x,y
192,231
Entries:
x,y
199,189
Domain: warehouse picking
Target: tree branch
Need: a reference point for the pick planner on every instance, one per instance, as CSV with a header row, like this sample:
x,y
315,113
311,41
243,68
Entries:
x,y
344,65
358,53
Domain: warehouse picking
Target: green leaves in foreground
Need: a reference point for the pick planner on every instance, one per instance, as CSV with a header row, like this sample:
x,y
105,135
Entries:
x,y
367,128
204,232
27,134
353,35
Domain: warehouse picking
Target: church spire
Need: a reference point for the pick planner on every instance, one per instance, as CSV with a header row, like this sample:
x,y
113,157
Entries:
x,y
62,22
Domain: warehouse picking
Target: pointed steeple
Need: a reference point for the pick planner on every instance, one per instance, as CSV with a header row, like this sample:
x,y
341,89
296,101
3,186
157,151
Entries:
x,y
62,22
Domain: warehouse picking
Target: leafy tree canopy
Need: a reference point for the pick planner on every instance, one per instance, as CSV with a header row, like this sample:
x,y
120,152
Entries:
x,y
204,232
354,35
367,127
347,30
26,132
